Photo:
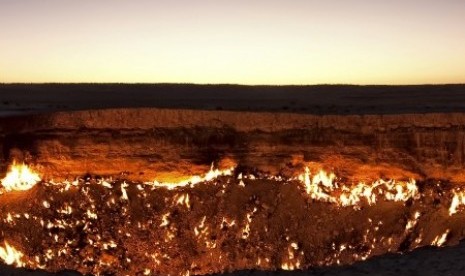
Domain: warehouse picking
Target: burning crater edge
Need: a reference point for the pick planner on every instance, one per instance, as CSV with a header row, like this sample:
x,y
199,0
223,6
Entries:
x,y
182,192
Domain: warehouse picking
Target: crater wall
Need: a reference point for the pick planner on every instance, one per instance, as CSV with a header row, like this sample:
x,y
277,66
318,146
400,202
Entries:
x,y
144,144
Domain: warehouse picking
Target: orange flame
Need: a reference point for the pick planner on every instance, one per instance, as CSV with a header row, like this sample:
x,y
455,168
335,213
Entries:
x,y
212,174
20,178
324,186
457,201
11,256
292,260
440,240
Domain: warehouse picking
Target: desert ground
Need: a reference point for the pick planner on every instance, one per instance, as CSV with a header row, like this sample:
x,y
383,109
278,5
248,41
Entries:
x,y
321,99
416,130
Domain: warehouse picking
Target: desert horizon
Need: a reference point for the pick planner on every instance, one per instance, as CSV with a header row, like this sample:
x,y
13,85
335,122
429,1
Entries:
x,y
313,99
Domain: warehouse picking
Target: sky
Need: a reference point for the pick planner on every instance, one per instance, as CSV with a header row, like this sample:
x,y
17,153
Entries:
x,y
233,41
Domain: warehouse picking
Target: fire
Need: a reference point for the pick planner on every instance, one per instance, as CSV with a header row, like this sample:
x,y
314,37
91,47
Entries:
x,y
10,255
209,176
164,220
20,178
440,239
411,223
201,229
183,200
124,194
181,214
315,186
457,201
324,186
246,229
292,260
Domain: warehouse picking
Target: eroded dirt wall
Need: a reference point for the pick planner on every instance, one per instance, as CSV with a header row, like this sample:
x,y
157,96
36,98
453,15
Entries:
x,y
143,144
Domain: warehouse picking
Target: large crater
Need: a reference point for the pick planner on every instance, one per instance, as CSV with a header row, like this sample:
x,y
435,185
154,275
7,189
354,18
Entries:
x,y
99,210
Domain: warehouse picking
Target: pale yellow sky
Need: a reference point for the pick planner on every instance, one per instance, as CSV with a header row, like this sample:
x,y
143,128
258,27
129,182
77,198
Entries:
x,y
244,42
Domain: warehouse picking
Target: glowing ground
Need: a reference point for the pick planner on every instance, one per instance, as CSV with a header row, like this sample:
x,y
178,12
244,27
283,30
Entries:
x,y
145,202
229,222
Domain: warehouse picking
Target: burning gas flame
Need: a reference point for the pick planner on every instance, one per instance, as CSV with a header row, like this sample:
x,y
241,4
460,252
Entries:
x,y
211,175
293,258
440,239
183,200
315,186
20,178
457,201
10,255
411,223
324,186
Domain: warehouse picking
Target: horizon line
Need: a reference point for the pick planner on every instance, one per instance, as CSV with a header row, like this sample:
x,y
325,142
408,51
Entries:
x,y
225,84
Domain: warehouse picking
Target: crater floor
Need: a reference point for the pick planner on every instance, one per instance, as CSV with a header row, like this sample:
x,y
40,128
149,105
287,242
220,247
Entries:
x,y
223,225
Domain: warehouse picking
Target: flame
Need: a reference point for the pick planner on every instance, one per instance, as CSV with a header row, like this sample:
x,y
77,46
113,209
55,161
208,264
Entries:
x,y
20,178
183,200
324,186
457,201
11,256
164,220
209,176
411,223
440,239
227,223
292,260
201,229
124,194
313,186
246,229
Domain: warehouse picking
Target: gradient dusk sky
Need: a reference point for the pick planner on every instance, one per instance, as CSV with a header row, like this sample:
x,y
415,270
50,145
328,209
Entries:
x,y
235,41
